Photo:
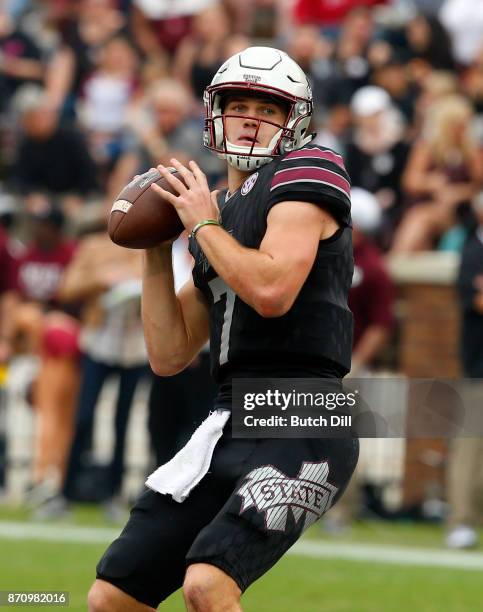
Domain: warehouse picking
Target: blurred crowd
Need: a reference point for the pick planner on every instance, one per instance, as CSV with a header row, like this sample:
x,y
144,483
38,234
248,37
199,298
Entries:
x,y
95,91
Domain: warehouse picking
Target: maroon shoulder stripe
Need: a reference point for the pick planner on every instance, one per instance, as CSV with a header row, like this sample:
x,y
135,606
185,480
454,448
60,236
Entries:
x,y
317,153
310,174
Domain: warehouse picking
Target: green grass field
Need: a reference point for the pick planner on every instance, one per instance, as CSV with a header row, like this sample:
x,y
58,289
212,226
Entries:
x,y
297,583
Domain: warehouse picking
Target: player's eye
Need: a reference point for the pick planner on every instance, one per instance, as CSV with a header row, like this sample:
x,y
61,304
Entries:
x,y
268,110
238,108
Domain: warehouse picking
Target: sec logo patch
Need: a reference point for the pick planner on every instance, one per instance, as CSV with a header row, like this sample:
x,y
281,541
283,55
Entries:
x,y
249,184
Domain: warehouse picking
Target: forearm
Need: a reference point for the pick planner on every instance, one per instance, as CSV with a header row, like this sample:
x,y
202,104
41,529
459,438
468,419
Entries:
x,y
167,339
59,75
81,283
8,305
252,274
143,33
369,346
23,68
461,192
418,183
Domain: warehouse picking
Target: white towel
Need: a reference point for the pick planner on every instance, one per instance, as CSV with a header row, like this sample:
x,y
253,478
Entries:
x,y
185,470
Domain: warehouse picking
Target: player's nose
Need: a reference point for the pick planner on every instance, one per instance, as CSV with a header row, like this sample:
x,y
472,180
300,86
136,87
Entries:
x,y
250,122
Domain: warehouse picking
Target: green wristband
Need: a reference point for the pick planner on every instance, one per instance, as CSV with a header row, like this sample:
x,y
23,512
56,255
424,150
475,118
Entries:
x,y
199,225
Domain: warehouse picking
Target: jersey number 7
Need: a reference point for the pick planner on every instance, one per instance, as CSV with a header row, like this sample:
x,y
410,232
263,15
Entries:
x,y
219,289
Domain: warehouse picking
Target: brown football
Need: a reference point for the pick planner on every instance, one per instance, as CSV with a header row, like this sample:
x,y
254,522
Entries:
x,y
140,218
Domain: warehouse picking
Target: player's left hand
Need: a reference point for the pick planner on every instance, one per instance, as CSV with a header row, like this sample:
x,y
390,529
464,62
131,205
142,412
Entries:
x,y
194,202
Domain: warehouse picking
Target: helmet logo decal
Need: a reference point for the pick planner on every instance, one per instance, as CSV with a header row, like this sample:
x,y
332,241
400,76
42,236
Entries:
x,y
249,184
252,78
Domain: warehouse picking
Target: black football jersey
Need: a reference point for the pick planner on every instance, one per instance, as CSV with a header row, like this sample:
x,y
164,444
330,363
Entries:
x,y
318,327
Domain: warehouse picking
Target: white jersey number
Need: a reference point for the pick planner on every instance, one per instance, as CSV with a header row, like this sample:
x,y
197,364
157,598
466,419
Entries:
x,y
219,288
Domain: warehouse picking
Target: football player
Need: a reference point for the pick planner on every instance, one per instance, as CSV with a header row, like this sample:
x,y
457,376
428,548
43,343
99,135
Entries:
x,y
273,268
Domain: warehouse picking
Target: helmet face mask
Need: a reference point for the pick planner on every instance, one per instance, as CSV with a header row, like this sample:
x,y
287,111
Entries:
x,y
259,72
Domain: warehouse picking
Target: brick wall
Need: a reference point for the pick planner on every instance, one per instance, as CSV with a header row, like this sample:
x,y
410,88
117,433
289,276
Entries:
x,y
428,348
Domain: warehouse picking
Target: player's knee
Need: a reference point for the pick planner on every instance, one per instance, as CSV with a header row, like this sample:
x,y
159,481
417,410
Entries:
x,y
61,341
101,597
199,595
207,589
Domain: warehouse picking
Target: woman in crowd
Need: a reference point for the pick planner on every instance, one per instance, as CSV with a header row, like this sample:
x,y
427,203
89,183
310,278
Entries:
x,y
94,23
442,174
200,53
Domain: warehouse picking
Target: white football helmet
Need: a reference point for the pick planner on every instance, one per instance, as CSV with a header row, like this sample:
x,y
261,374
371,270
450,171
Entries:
x,y
261,71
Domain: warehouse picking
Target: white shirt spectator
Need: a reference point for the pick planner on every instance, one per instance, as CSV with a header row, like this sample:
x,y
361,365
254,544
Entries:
x,y
464,21
119,340
165,9
106,101
182,268
182,262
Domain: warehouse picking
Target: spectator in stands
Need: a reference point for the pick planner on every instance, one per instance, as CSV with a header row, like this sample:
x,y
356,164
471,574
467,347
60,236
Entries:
x,y
428,40
472,84
437,85
106,280
392,76
234,44
7,306
59,13
349,67
464,21
372,294
377,153
21,60
312,52
470,286
160,25
41,328
443,173
265,19
106,96
334,130
153,69
51,158
200,54
327,14
429,46
92,24
466,454
428,7
371,300
8,299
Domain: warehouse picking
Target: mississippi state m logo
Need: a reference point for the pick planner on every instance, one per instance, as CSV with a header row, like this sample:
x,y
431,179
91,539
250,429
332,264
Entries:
x,y
272,492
